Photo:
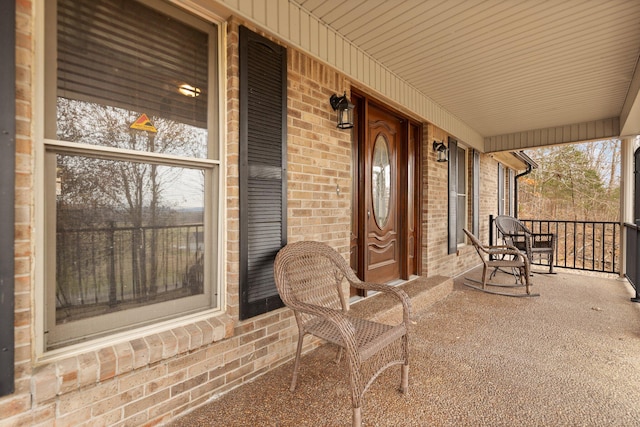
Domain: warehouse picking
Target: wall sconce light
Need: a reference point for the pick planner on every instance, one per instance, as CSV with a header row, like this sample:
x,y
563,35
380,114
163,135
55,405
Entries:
x,y
442,152
345,110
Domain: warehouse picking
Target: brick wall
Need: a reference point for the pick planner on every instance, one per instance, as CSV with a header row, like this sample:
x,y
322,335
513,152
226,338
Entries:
x,y
435,259
163,374
319,156
20,401
488,194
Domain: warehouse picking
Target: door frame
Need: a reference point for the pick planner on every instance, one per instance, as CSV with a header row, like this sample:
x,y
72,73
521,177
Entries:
x,y
409,196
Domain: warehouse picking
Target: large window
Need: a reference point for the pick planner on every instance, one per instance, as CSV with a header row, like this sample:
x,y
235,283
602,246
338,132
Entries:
x,y
131,169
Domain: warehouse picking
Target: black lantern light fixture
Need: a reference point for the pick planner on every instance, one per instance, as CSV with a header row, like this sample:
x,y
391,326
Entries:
x,y
345,110
442,152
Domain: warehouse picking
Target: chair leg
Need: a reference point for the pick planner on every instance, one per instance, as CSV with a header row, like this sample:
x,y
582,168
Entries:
x,y
357,417
527,278
296,364
404,386
484,277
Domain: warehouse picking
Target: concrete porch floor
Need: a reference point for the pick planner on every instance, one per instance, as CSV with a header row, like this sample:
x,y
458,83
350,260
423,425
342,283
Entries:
x,y
570,357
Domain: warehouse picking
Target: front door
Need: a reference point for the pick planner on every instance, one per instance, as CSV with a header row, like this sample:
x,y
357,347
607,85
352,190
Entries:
x,y
382,197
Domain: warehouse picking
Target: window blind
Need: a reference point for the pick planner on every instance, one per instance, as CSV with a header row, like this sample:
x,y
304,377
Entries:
x,y
126,55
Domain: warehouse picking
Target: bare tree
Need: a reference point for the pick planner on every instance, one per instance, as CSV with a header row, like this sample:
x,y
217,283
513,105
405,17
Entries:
x,y
573,182
103,192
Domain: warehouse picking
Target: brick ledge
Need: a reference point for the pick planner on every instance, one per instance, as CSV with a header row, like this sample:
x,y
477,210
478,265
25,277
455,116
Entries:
x,y
90,368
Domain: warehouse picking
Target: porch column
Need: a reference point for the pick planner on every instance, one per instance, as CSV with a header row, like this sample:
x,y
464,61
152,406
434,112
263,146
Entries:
x,y
626,195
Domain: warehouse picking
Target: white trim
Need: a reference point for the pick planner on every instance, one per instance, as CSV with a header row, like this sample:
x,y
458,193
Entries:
x,y
127,154
37,121
573,133
222,147
205,12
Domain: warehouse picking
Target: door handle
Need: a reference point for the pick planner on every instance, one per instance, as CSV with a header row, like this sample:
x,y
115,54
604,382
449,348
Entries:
x,y
368,214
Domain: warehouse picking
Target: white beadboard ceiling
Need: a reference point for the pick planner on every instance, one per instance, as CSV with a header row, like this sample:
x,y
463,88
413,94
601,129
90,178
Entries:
x,y
507,66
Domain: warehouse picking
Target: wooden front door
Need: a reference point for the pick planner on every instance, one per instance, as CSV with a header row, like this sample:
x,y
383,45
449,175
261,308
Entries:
x,y
386,219
382,197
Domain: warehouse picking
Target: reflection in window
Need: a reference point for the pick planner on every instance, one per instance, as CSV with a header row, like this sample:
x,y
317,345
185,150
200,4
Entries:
x,y
381,180
127,233
97,124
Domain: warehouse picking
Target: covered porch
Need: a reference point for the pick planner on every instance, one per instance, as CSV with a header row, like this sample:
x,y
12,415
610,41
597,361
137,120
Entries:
x,y
483,79
568,357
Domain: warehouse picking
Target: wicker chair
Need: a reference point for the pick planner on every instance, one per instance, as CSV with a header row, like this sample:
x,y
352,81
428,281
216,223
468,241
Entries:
x,y
538,245
498,257
309,277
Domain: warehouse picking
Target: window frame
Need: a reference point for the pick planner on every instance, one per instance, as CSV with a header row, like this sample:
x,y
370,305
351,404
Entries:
x,y
214,165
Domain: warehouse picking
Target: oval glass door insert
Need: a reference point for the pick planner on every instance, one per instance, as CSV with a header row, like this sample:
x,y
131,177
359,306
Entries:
x,y
381,180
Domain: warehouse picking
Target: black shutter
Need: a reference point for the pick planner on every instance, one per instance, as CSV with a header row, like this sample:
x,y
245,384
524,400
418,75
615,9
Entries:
x,y
476,193
263,174
453,195
7,193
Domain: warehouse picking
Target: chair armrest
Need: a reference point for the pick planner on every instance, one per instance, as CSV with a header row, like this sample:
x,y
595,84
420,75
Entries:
x,y
316,310
394,291
514,234
545,239
517,237
501,247
501,250
337,317
506,250
549,236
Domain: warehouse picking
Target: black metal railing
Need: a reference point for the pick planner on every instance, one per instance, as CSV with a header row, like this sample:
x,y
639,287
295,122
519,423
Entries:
x,y
99,270
633,257
580,245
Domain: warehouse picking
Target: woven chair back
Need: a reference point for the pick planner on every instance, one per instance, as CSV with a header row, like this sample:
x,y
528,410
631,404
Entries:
x,y
312,273
509,225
